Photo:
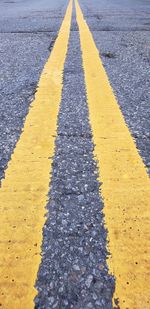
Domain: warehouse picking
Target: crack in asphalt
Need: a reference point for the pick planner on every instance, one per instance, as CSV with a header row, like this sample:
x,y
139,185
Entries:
x,y
52,43
75,30
28,32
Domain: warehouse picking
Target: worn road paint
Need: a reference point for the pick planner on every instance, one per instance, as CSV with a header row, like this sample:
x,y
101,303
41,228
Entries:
x,y
126,185
24,190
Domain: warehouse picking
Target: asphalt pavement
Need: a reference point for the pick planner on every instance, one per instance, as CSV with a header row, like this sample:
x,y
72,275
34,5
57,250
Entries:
x,y
74,246
121,32
28,33
73,272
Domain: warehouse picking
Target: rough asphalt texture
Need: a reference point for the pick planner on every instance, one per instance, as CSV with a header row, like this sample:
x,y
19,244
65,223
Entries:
x,y
121,31
73,273
28,30
23,54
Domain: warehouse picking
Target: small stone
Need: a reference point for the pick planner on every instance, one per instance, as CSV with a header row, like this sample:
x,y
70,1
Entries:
x,y
89,281
85,227
36,300
94,233
80,197
60,289
94,296
76,267
80,249
83,293
64,222
98,285
51,285
83,269
89,306
98,303
51,300
86,187
92,258
101,266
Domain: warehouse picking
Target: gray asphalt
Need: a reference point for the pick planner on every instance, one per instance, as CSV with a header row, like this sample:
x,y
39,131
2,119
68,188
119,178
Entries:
x,y
28,30
73,272
121,31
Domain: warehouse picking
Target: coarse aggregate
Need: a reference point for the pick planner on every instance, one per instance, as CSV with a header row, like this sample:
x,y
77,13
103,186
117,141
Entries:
x,y
125,53
31,16
18,80
117,15
73,272
22,57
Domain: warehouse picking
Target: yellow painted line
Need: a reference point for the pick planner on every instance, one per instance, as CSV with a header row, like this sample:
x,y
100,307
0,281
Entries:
x,y
24,190
126,185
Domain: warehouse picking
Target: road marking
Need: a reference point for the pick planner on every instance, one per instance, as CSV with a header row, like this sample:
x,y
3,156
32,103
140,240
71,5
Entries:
x,y
126,185
24,190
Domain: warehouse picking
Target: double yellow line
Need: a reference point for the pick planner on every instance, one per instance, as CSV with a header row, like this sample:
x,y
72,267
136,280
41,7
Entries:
x,y
125,189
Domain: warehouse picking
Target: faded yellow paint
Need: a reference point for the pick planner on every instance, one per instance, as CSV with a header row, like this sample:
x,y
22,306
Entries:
x,y
126,185
24,190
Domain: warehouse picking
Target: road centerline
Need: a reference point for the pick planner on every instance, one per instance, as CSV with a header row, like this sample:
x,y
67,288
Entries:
x,y
23,192
73,272
125,182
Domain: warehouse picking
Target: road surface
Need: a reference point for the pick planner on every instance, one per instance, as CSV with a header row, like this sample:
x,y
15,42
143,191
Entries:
x,y
74,154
